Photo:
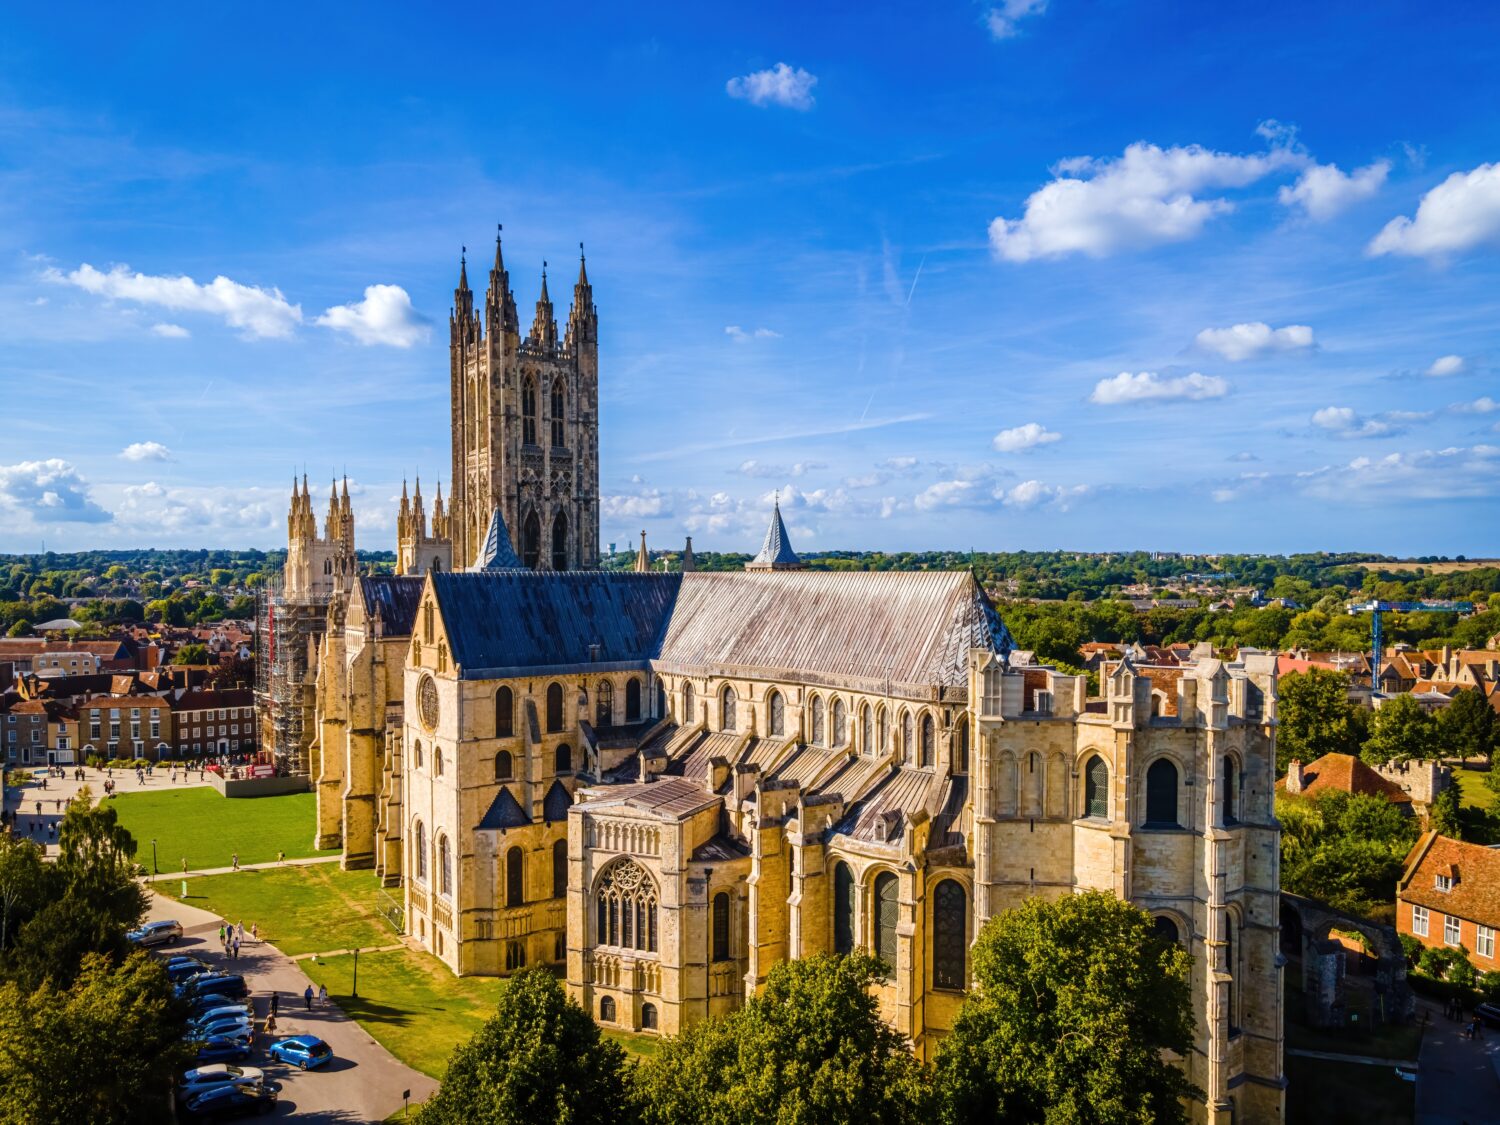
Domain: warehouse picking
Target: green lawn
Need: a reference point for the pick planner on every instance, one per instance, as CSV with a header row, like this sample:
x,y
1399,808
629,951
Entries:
x,y
209,829
1472,789
1330,1093
309,909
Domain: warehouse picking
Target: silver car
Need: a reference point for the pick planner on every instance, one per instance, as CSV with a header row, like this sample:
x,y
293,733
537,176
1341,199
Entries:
x,y
219,1074
157,933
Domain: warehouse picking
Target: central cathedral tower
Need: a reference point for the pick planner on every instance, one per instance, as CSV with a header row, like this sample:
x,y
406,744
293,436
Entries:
x,y
525,424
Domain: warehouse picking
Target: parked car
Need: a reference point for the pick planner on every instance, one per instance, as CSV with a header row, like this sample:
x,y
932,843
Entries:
x,y
232,1100
238,1026
156,933
180,969
305,1051
218,1012
221,984
202,1005
223,1048
219,1074
1489,1013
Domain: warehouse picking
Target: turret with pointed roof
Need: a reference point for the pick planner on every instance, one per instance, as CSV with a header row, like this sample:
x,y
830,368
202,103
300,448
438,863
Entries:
x,y
496,552
642,557
544,326
776,552
689,564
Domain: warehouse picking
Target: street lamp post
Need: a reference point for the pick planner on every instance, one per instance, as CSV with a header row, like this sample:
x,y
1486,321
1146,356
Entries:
x,y
353,992
154,870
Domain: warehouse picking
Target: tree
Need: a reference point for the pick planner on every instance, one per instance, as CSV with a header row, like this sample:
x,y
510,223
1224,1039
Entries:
x,y
102,1051
22,880
1074,1002
810,1049
1314,717
1343,849
1402,730
191,654
1469,726
21,628
539,1058
1443,815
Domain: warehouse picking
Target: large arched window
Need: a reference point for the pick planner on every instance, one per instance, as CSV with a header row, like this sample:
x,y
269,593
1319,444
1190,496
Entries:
x,y
419,848
445,866
531,541
632,700
950,939
840,723
776,711
560,868
558,412
866,746
882,731
908,738
1096,788
625,907
604,704
515,877
554,707
560,542
528,410
505,713
727,709
1161,794
817,720
689,707
887,912
924,755
505,767
1166,929
607,1009
843,909
1231,791
648,1017
721,926
961,746
562,758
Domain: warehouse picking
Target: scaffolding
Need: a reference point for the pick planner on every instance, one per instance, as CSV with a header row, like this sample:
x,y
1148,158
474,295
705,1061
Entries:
x,y
288,632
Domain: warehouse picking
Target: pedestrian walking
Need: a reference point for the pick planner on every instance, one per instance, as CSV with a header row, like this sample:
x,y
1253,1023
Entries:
x,y
184,865
234,861
39,808
1476,1027
275,1002
322,995
241,928
281,857
221,933
271,1023
307,995
254,931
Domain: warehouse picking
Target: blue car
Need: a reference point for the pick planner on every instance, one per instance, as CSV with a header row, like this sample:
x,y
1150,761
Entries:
x,y
305,1051
223,1048
212,1007
231,1100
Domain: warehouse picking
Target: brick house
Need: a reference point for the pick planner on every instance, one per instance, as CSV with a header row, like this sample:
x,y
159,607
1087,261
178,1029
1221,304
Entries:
x,y
213,722
125,726
1449,895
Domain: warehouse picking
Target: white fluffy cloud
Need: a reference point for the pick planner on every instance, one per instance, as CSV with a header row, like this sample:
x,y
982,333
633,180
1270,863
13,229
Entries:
x,y
1461,213
1148,385
1003,18
1345,422
1146,197
200,514
146,451
1029,436
781,85
1446,365
740,336
646,504
1455,473
1030,493
170,331
49,491
257,312
385,316
754,468
1324,190
1246,341
1484,405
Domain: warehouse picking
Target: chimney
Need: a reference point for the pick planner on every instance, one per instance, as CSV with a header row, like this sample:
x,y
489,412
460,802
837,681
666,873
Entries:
x,y
1294,778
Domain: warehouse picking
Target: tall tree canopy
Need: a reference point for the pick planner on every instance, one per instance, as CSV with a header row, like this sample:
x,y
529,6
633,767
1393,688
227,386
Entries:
x,y
1314,717
810,1049
1401,731
539,1058
1074,1002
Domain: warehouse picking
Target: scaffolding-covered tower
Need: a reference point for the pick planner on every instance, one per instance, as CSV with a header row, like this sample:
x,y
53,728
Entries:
x,y
291,619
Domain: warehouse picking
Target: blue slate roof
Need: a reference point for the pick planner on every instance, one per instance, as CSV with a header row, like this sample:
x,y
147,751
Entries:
x,y
505,812
396,597
496,553
776,552
526,619
556,803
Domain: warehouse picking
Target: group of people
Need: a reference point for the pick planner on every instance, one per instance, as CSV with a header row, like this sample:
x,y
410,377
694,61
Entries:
x,y
1473,1027
231,935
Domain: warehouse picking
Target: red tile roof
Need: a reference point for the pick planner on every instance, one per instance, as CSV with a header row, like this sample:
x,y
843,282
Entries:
x,y
1347,773
1476,889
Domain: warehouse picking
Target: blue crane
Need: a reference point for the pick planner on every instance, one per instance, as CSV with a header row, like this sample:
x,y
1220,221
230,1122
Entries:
x,y
1376,608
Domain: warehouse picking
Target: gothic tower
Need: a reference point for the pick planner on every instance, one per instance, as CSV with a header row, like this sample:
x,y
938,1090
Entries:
x,y
318,566
525,424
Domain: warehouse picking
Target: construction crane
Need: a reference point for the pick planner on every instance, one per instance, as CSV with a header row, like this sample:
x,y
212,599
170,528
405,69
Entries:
x,y
1376,608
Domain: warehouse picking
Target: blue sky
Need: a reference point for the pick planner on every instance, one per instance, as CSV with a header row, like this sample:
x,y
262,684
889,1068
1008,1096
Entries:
x,y
948,275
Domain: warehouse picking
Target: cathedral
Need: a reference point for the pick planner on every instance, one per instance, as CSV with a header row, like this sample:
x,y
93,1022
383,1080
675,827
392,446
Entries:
x,y
662,783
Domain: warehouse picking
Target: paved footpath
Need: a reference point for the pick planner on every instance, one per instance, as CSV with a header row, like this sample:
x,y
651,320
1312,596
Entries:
x,y
1457,1083
54,799
364,1082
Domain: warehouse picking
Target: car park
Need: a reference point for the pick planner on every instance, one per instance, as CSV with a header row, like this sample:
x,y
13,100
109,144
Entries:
x,y
218,1074
226,1025
223,1048
226,984
219,1012
165,932
304,1051
232,1100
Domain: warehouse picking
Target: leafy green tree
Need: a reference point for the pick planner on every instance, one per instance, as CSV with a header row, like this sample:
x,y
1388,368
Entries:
x,y
1443,815
1074,1003
1343,849
1469,726
539,1058
23,879
1402,731
1314,717
810,1049
22,628
102,1051
191,654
